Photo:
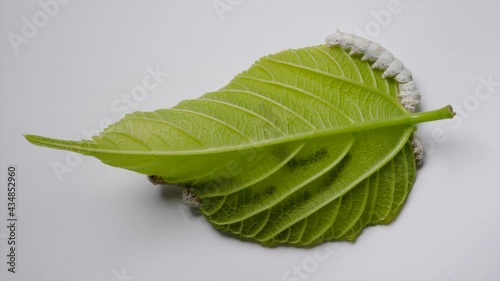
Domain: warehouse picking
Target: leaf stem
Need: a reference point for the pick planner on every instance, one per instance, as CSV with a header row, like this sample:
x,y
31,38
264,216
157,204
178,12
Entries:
x,y
438,114
410,119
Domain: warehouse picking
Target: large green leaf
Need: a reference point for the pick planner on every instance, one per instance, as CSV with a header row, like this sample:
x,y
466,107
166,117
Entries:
x,y
306,146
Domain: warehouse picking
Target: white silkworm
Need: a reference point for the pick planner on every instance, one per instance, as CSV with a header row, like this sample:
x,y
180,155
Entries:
x,y
392,67
189,198
382,59
418,151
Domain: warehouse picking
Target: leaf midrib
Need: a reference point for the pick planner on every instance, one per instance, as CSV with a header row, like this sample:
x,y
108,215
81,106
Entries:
x,y
405,119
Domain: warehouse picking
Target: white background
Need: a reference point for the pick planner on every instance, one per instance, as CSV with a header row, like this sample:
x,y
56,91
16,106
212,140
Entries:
x,y
101,223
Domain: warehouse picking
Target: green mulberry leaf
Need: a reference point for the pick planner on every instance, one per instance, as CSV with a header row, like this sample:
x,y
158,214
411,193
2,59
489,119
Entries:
x,y
306,146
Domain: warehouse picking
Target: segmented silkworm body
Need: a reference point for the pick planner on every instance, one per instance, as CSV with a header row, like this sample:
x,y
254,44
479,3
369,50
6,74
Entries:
x,y
418,151
393,68
189,198
381,59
